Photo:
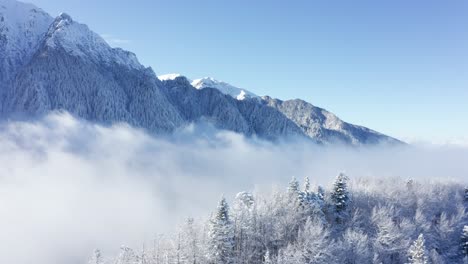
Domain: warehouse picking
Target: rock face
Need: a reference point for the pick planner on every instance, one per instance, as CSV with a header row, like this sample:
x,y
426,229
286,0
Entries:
x,y
58,64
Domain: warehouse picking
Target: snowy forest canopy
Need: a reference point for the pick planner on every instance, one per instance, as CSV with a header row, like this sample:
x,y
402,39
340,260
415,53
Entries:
x,y
354,221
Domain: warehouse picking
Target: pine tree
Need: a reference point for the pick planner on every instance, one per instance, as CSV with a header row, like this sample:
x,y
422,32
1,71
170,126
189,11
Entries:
x,y
417,252
221,236
306,184
293,189
96,258
465,241
340,196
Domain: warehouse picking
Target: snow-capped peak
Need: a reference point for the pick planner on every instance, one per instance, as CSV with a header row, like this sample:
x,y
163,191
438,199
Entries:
x,y
169,76
22,28
78,40
225,88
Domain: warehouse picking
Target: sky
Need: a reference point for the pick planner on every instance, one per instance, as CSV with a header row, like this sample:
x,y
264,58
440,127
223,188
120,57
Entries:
x,y
399,67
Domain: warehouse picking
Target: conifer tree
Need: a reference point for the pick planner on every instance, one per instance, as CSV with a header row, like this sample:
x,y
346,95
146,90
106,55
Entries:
x,y
221,236
340,196
417,252
293,189
465,241
306,185
96,258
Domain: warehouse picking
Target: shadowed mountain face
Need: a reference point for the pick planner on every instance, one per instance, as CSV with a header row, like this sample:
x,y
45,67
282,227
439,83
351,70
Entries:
x,y
58,64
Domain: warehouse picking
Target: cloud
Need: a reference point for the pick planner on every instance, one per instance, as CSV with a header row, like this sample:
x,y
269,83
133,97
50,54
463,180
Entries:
x,y
69,186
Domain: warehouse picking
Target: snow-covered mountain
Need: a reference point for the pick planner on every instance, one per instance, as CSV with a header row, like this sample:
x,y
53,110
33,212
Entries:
x,y
49,64
225,88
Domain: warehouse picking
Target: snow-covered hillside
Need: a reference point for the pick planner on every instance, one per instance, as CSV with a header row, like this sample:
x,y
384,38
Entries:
x,y
59,64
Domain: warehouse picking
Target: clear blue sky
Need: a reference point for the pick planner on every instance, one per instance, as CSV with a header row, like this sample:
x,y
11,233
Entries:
x,y
399,67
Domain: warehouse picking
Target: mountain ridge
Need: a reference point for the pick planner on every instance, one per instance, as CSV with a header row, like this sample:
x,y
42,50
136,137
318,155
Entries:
x,y
72,68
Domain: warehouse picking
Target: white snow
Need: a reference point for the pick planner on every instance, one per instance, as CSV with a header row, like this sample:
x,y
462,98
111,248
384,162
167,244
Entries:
x,y
22,27
225,88
169,76
79,40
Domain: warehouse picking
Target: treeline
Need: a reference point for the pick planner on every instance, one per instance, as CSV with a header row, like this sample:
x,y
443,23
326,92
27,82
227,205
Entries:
x,y
361,221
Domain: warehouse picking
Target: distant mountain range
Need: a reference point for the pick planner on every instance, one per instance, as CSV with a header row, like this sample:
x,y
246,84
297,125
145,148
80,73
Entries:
x,y
58,64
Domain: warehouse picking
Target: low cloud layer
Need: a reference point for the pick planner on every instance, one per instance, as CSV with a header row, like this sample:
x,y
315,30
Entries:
x,y
69,186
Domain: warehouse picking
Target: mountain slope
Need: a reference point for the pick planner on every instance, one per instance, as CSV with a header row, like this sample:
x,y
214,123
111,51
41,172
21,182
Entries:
x,y
58,64
324,126
243,116
74,69
22,27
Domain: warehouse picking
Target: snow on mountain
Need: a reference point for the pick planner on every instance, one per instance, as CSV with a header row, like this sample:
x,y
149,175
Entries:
x,y
324,126
78,40
58,64
22,27
225,88
169,76
74,69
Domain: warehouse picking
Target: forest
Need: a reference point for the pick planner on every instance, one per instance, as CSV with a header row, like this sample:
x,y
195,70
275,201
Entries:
x,y
363,220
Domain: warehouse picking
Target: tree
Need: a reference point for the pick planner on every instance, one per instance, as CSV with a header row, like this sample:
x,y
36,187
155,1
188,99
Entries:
x,y
96,258
221,236
340,197
267,258
353,248
464,239
306,184
190,250
466,194
417,252
312,245
293,189
126,256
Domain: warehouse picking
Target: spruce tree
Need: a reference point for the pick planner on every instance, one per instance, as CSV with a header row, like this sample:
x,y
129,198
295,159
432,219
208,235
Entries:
x,y
340,196
221,236
417,252
293,189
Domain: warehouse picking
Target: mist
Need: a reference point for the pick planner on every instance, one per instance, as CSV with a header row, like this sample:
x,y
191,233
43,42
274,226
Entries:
x,y
68,186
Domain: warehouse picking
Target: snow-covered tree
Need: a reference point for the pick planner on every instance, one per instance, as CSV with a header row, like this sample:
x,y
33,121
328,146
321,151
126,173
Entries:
x,y
464,240
221,236
312,245
466,194
340,197
189,243
96,258
126,256
354,247
267,258
417,253
293,189
306,184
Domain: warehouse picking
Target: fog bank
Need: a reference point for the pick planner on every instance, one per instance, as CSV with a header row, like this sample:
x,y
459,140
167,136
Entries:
x,y
68,186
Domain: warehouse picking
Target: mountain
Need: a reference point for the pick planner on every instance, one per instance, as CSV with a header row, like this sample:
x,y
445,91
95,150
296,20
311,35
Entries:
x,y
50,64
225,88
